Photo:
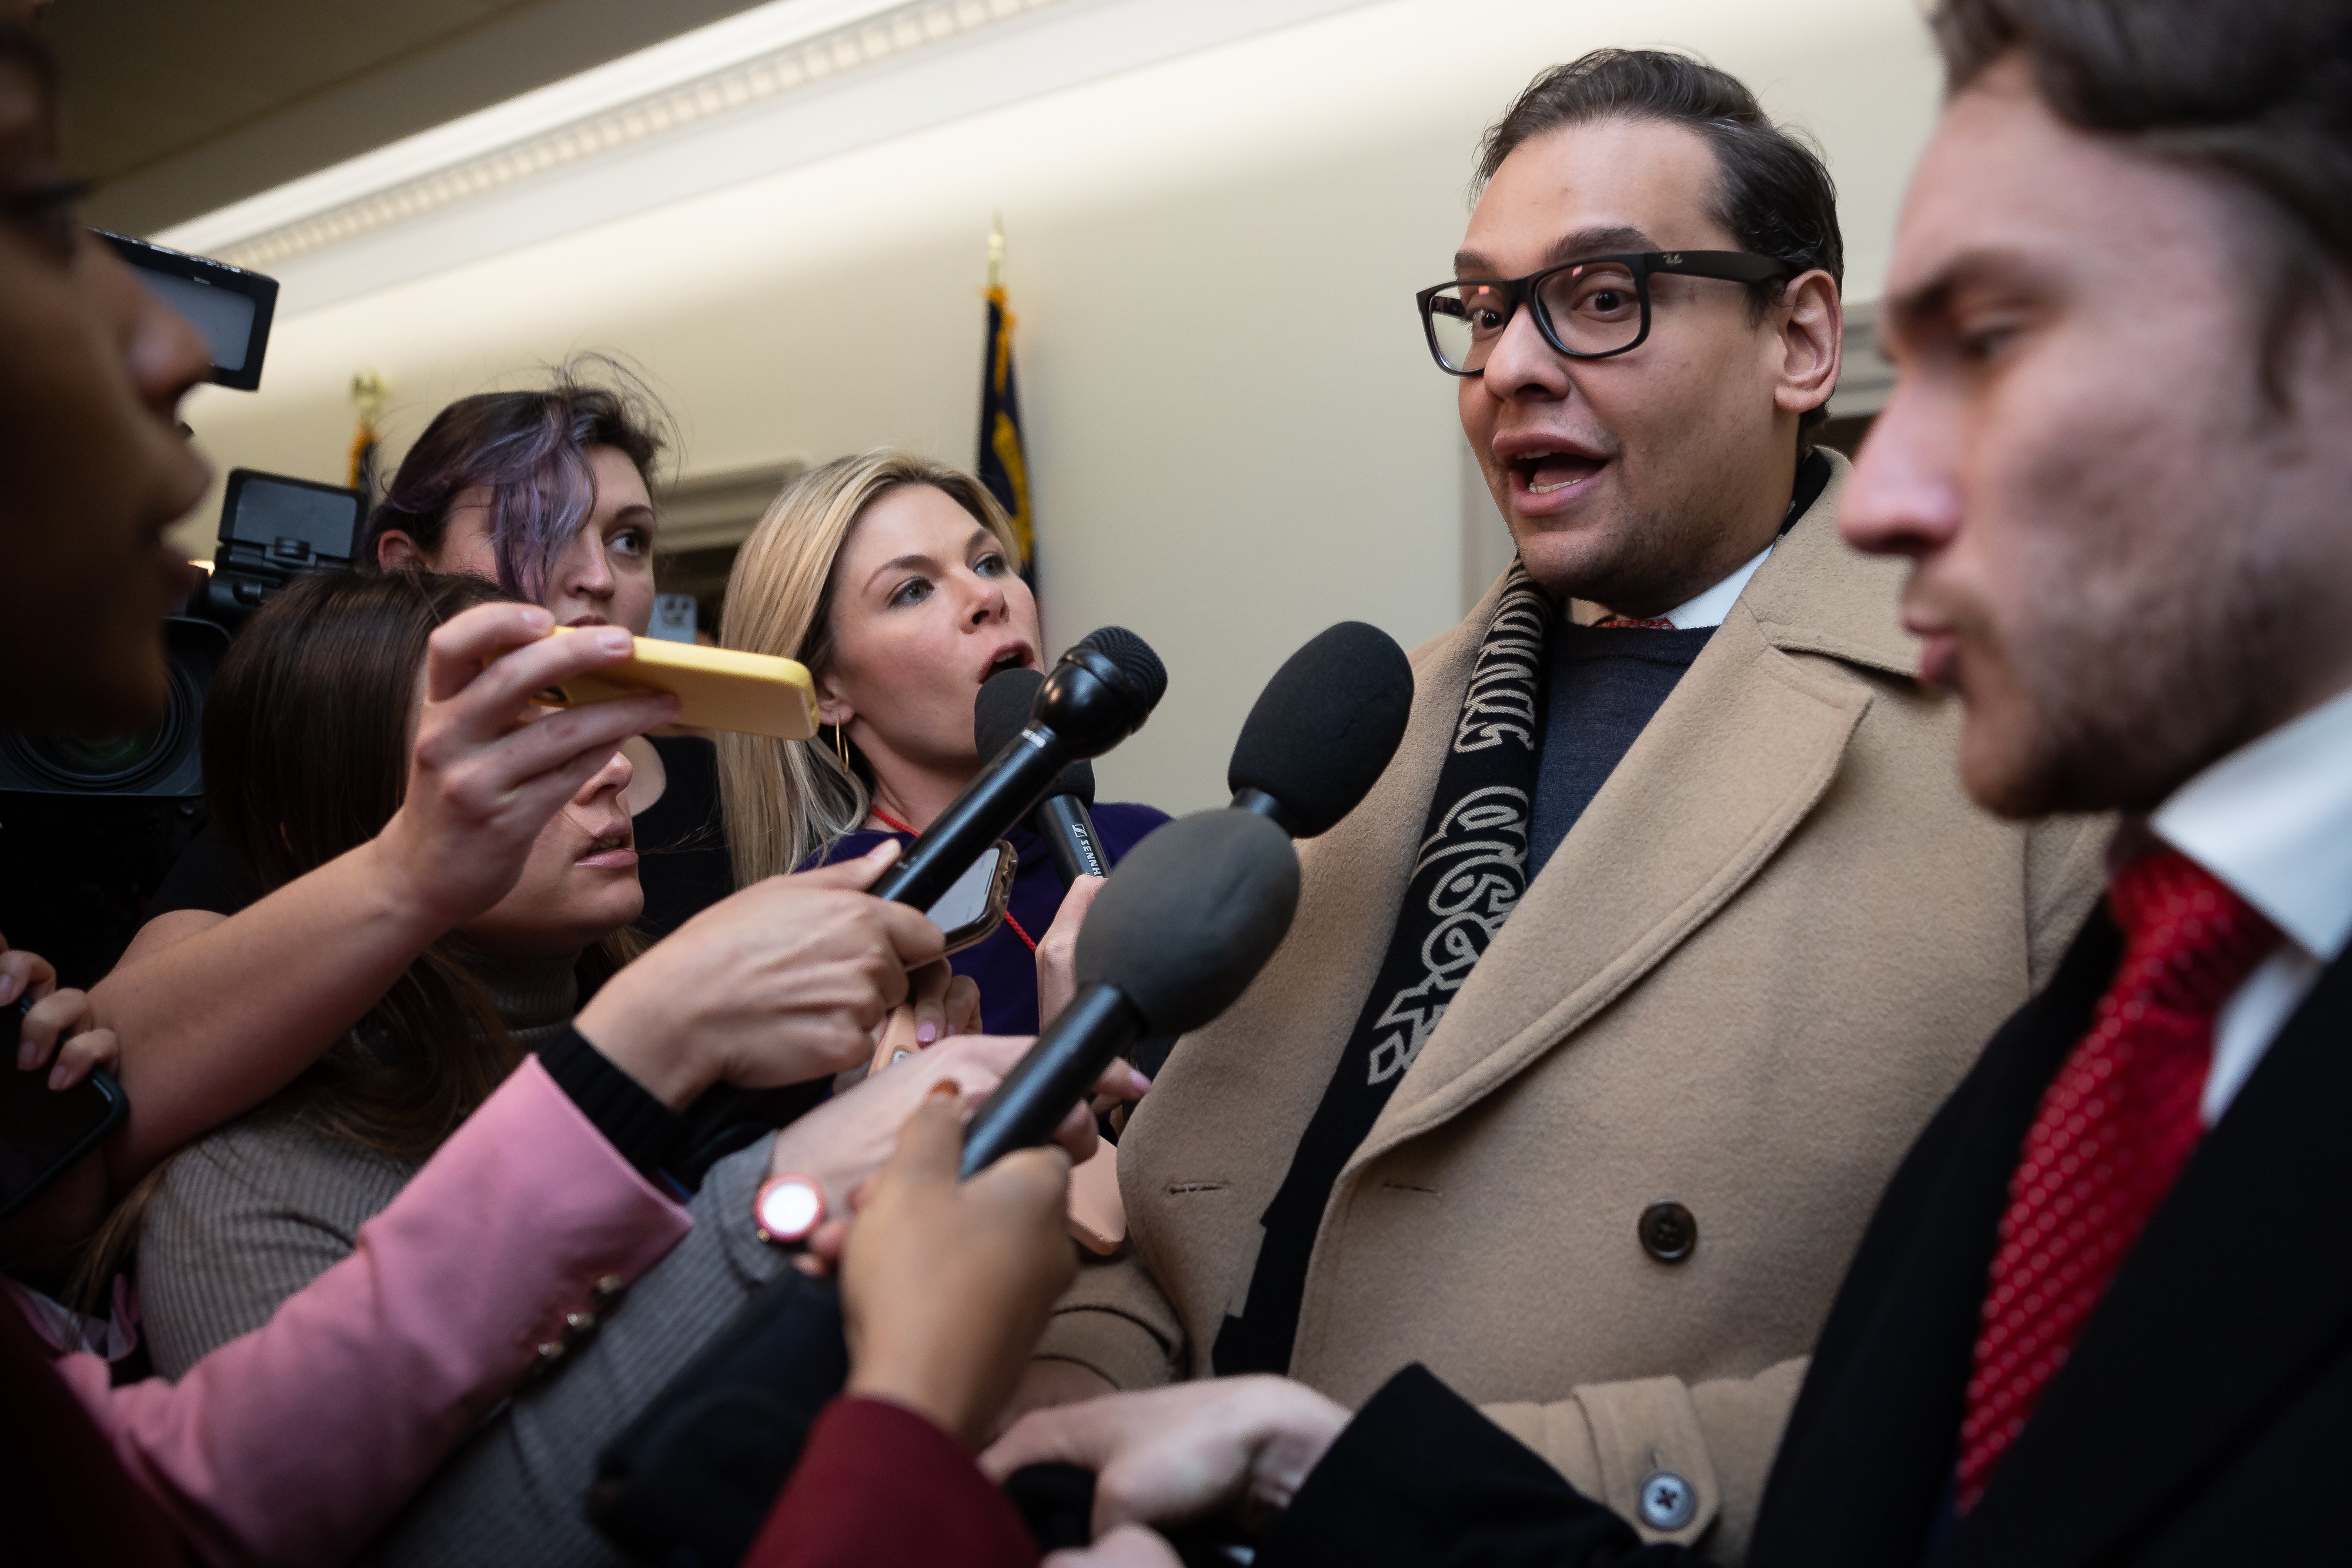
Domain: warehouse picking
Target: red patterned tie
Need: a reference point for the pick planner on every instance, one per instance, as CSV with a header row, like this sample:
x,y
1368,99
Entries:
x,y
2114,1127
1633,623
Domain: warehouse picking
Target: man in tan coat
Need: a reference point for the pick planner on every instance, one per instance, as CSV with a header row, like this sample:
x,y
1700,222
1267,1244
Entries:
x,y
1606,1016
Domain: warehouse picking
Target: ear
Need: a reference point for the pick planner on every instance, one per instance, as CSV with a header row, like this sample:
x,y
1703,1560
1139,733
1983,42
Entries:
x,y
832,706
395,551
1810,344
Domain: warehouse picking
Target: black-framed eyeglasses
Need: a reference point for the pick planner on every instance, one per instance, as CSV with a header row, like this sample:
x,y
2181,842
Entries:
x,y
1587,309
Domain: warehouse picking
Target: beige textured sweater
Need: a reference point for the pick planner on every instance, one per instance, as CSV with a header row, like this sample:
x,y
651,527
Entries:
x,y
252,1213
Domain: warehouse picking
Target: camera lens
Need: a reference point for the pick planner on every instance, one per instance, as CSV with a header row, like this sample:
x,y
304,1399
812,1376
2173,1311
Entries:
x,y
93,759
121,761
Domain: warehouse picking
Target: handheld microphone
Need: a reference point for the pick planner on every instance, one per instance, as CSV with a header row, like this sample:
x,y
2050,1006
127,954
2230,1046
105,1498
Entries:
x,y
1061,818
1323,730
1182,928
1099,695
1318,739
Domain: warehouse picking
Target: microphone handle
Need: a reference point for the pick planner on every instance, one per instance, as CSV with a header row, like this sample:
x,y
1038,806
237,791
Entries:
x,y
1068,829
1005,792
1042,1085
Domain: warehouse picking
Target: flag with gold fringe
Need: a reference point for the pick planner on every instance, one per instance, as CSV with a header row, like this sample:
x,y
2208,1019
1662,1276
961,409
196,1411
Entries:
x,y
367,397
1003,464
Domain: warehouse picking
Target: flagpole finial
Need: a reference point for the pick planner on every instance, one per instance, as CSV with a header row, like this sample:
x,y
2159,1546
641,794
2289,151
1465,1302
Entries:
x,y
997,252
367,394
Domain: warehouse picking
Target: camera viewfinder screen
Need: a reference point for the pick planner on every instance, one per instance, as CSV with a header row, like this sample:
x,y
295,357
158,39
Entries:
x,y
264,509
224,316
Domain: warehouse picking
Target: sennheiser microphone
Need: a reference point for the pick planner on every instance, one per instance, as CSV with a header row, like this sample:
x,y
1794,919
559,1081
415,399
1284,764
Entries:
x,y
1323,730
1099,695
1178,933
1061,819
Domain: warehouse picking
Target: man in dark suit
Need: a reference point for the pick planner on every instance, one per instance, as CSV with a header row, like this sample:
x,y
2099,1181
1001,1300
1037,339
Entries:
x,y
2103,1313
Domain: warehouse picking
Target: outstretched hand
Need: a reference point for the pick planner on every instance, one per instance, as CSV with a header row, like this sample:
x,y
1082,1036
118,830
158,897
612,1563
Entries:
x,y
482,780
946,1284
1238,1446
778,984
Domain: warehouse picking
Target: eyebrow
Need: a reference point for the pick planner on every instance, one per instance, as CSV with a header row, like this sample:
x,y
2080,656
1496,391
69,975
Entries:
x,y
1610,240
925,562
1915,307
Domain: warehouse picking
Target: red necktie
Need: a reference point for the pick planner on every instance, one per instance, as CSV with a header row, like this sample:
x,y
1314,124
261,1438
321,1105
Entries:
x,y
1633,623
2114,1127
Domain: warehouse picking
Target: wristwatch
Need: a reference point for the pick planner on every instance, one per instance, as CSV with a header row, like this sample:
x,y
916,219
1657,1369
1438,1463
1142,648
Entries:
x,y
787,1209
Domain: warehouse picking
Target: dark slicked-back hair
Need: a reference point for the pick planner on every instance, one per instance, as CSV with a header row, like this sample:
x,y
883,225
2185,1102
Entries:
x,y
2259,92
530,451
1773,193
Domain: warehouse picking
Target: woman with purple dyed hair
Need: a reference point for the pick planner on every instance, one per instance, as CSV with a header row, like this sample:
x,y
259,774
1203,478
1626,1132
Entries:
x,y
549,493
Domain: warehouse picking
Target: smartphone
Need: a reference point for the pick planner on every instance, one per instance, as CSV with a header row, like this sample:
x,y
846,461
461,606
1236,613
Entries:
x,y
44,1131
972,906
974,903
751,694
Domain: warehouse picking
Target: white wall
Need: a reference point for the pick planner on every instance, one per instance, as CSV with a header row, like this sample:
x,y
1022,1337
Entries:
x,y
1236,434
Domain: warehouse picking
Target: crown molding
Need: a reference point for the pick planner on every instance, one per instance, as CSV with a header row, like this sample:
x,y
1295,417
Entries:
x,y
785,48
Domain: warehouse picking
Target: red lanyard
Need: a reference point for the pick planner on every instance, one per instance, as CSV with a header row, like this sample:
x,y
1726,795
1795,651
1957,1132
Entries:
x,y
896,826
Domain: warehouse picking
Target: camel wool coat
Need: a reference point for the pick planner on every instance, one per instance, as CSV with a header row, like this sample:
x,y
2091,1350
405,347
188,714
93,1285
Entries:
x,y
1777,938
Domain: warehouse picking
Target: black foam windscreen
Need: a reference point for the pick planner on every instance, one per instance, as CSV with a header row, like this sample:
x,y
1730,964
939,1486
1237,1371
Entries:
x,y
1002,712
1325,726
1135,659
1191,915
1001,709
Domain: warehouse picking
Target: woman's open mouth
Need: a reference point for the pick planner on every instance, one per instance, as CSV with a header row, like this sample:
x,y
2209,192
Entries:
x,y
612,851
1015,657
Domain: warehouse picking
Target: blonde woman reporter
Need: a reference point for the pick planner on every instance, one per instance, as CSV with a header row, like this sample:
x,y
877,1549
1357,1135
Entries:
x,y
894,579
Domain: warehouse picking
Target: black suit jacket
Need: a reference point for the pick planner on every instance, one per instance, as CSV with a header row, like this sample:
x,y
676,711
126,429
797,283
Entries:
x,y
2204,1416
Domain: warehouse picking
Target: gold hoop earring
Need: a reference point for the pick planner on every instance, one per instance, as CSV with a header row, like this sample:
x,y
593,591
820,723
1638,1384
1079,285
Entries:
x,y
841,747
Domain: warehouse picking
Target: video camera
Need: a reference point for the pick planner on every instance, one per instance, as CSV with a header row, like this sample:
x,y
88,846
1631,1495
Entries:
x,y
90,824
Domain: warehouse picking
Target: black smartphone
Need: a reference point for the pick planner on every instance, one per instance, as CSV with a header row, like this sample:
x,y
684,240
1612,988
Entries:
x,y
44,1131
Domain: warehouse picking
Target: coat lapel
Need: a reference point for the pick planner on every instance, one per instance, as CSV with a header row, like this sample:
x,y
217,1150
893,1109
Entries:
x,y
1735,760
2242,1278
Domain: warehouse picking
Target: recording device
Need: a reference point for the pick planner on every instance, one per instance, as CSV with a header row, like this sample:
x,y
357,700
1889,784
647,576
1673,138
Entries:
x,y
44,1132
90,824
1182,928
1061,819
974,905
272,530
229,306
721,688
1099,695
1316,740
1323,730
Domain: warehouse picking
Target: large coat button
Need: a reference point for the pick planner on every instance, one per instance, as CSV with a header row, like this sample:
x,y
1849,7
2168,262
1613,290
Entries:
x,y
1668,1231
1667,1501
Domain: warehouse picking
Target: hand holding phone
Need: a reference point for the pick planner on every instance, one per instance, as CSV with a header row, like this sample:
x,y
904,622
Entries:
x,y
721,688
50,1121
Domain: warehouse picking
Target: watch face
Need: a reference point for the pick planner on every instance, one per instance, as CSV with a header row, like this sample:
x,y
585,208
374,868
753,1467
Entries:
x,y
790,1207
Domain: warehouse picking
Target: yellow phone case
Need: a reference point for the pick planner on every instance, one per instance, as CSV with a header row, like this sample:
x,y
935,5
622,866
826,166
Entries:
x,y
753,694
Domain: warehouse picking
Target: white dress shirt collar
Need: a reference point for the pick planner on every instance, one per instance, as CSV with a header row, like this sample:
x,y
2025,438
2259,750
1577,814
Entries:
x,y
2274,821
1709,607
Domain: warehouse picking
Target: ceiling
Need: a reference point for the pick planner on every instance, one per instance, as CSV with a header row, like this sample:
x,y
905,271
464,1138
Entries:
x,y
177,107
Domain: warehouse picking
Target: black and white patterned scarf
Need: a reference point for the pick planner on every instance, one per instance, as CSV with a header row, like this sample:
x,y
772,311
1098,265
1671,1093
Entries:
x,y
1467,878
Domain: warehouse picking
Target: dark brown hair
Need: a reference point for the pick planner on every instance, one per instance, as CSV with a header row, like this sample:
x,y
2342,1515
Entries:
x,y
2259,92
306,744
530,450
307,735
1772,192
